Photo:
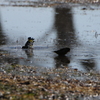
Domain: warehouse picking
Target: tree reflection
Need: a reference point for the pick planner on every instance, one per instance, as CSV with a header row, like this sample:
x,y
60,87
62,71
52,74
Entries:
x,y
65,32
2,37
64,27
66,35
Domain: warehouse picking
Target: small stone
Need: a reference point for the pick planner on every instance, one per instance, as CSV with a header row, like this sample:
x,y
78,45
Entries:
x,y
1,94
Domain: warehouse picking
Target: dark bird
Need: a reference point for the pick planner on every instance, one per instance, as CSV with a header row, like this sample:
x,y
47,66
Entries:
x,y
29,43
62,51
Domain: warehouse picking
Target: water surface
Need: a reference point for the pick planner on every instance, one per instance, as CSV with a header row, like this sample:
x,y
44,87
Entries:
x,y
52,29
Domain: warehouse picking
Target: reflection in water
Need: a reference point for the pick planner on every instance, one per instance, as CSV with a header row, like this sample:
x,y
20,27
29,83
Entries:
x,y
29,52
2,37
55,29
11,60
88,64
8,59
65,32
86,26
64,27
61,61
26,22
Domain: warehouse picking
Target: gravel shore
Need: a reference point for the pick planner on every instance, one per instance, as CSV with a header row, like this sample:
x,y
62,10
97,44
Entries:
x,y
18,82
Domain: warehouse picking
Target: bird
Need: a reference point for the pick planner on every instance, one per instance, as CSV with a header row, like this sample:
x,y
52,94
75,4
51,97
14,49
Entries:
x,y
29,43
60,52
63,51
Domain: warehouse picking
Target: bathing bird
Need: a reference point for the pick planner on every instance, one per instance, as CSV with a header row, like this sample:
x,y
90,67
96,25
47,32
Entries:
x,y
62,51
29,43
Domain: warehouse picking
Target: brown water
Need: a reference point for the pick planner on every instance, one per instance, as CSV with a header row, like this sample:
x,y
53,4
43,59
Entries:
x,y
76,27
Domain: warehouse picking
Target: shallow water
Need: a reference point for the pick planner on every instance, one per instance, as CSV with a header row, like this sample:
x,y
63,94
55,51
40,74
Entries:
x,y
52,29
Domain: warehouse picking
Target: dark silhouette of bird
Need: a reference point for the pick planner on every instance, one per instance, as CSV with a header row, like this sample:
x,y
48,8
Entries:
x,y
29,43
62,51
